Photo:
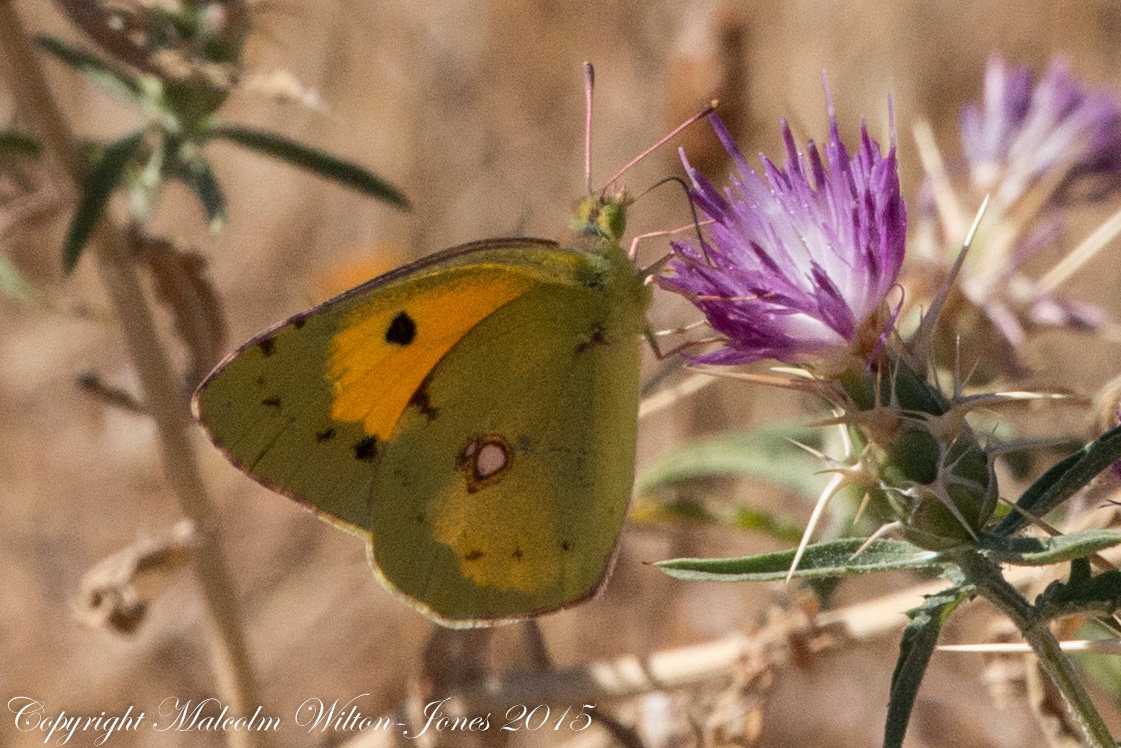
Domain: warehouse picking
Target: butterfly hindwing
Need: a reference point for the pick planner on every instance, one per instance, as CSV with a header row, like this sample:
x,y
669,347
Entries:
x,y
506,484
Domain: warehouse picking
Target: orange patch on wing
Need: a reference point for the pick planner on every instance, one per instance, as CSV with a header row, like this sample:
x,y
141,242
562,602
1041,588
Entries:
x,y
384,349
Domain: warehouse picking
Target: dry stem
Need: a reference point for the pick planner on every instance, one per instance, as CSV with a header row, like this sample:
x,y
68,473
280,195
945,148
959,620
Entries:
x,y
163,392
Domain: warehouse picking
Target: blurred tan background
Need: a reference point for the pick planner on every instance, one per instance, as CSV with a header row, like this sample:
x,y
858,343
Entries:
x,y
474,109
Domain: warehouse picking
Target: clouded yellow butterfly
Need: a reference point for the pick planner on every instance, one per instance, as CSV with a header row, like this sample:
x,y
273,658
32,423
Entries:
x,y
472,415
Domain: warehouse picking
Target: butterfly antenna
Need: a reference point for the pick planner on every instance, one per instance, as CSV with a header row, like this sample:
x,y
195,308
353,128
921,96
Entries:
x,y
707,110
589,87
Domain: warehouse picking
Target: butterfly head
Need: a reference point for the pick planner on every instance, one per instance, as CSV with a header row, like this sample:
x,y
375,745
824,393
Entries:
x,y
601,217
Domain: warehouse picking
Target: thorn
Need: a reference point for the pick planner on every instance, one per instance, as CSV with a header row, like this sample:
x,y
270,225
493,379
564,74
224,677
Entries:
x,y
834,485
815,452
920,343
864,502
883,530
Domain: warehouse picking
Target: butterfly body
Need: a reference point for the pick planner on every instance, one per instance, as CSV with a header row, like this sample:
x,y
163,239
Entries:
x,y
472,414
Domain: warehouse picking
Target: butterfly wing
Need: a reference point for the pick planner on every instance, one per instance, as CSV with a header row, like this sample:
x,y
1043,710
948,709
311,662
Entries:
x,y
481,397
517,463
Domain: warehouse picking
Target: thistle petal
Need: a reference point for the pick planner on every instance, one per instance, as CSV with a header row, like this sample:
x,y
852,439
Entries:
x,y
798,260
1023,129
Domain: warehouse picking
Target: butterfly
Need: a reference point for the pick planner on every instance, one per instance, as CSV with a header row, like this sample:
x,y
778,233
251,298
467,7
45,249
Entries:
x,y
472,415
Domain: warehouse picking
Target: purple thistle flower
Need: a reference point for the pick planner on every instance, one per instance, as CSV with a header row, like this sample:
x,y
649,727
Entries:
x,y
1019,132
795,266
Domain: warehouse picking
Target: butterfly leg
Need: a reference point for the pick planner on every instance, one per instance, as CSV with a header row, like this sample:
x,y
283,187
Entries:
x,y
653,335
633,252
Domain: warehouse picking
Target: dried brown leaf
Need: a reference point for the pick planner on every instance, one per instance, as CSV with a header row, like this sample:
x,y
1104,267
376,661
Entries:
x,y
109,594
184,288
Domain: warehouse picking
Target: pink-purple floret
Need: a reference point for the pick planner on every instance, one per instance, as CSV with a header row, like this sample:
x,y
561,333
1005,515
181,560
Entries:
x,y
1029,128
794,265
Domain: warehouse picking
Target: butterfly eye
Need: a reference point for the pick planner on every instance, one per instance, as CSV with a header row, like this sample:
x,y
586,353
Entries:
x,y
612,220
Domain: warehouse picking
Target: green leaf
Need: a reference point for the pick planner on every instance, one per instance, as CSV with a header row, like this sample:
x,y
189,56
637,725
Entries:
x,y
763,453
17,144
920,636
104,75
105,176
1046,551
1064,479
316,161
198,175
831,559
696,512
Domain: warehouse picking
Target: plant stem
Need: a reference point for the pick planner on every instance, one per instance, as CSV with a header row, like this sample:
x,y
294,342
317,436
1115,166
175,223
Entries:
x,y
163,392
992,586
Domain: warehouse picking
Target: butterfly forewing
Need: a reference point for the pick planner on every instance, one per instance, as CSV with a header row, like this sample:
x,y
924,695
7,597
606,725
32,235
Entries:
x,y
274,410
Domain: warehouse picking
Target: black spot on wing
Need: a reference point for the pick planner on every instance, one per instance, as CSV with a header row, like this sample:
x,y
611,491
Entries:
x,y
566,546
517,554
325,435
596,336
267,346
423,403
299,323
272,402
473,555
366,450
402,329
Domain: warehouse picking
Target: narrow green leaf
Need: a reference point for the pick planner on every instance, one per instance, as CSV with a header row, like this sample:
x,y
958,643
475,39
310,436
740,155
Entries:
x,y
1064,479
105,176
764,454
1048,550
831,559
920,636
103,74
17,144
316,161
198,175
765,523
696,512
